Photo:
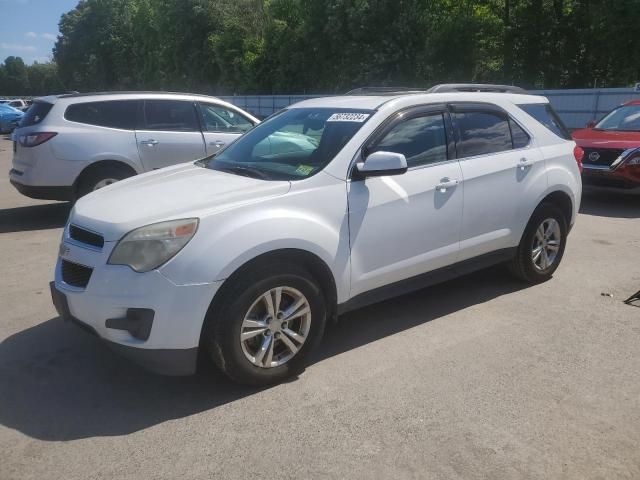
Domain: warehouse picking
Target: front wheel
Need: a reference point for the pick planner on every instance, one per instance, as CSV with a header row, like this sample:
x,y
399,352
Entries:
x,y
542,245
267,325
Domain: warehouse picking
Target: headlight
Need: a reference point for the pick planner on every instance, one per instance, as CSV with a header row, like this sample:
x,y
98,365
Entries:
x,y
149,247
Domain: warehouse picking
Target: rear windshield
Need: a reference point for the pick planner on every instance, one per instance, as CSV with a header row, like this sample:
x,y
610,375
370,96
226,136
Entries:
x,y
35,114
544,113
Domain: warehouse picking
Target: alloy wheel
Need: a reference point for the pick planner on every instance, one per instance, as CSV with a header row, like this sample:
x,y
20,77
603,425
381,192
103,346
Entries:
x,y
546,244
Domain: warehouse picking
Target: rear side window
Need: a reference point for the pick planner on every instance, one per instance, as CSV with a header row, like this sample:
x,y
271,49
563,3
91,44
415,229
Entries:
x,y
170,116
113,114
482,133
35,114
546,115
422,140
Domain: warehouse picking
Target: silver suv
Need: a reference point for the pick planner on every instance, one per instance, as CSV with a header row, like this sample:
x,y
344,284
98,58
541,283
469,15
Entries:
x,y
70,145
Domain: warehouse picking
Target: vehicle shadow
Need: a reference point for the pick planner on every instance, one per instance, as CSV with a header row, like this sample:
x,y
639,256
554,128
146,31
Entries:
x,y
34,217
615,205
58,383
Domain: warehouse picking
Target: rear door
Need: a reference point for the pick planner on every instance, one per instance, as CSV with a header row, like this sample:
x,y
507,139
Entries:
x,y
504,176
169,134
221,125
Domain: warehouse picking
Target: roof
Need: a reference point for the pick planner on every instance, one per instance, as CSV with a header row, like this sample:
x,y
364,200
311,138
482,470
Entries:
x,y
373,102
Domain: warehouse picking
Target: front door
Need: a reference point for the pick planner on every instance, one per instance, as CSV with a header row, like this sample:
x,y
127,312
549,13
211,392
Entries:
x,y
170,134
404,225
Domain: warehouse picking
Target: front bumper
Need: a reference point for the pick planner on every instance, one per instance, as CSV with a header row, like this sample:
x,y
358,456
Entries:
x,y
162,361
143,316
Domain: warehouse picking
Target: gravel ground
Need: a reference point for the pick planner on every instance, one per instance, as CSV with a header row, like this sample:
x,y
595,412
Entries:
x,y
480,377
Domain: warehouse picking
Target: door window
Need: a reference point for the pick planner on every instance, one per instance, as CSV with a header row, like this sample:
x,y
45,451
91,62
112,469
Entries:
x,y
482,133
170,116
422,140
216,118
518,135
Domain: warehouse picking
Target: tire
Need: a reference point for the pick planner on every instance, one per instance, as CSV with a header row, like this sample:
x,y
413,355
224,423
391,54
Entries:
x,y
533,267
245,297
101,176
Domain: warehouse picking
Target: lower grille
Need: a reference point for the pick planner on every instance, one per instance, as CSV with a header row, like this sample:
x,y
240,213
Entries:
x,y
601,156
75,275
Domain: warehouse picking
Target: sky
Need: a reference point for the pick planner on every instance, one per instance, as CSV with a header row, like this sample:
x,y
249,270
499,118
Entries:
x,y
28,28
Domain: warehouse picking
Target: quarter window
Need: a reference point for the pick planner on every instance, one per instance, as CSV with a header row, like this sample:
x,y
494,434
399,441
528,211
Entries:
x,y
422,140
170,116
113,114
216,118
482,133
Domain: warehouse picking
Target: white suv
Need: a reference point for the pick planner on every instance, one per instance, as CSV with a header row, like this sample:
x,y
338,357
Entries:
x,y
328,205
70,145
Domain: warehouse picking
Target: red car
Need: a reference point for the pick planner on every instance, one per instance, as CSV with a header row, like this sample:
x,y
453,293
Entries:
x,y
612,149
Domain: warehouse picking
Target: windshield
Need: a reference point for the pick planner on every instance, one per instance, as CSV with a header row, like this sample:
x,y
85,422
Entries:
x,y
291,145
625,118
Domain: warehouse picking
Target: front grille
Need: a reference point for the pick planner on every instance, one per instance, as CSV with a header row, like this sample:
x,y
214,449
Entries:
x,y
85,236
601,156
75,275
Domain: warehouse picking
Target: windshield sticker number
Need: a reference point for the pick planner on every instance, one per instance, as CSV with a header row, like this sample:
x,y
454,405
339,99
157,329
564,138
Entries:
x,y
304,169
348,117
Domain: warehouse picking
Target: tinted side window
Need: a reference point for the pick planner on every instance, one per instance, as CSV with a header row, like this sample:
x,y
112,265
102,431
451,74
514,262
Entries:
x,y
216,118
519,136
114,114
170,115
544,113
421,140
35,114
481,133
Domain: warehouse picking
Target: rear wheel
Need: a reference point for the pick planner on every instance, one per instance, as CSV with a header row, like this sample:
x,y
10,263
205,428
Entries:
x,y
542,245
266,325
100,177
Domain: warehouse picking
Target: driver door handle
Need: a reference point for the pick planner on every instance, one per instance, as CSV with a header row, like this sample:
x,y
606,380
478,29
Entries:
x,y
447,183
150,143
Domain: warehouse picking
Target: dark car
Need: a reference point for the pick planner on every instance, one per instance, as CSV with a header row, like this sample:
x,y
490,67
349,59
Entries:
x,y
612,149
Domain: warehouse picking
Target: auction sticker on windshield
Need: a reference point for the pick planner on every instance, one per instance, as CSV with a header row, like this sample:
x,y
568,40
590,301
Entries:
x,y
348,117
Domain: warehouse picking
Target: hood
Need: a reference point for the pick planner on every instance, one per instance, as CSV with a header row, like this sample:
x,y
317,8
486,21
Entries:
x,y
181,191
592,138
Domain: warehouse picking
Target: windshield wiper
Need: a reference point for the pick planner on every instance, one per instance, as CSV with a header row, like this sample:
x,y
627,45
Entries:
x,y
245,171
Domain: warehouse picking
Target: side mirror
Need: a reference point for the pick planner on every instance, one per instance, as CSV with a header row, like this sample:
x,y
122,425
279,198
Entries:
x,y
380,164
591,124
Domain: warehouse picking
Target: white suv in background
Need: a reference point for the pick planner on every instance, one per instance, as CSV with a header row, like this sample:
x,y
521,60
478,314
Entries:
x,y
248,253
70,145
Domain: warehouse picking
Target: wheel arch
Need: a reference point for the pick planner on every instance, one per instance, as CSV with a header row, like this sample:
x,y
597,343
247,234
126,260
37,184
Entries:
x,y
561,200
99,164
308,260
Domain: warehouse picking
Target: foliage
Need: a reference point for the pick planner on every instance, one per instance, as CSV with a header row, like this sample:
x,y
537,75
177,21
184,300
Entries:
x,y
297,46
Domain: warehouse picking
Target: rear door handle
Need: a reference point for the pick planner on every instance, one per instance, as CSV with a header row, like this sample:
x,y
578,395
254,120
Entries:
x,y
150,143
447,183
217,143
524,163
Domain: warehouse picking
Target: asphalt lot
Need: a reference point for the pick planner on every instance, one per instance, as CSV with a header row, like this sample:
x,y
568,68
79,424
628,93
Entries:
x,y
480,377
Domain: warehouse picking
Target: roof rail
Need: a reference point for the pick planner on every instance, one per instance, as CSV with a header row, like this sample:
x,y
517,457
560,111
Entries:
x,y
385,90
475,87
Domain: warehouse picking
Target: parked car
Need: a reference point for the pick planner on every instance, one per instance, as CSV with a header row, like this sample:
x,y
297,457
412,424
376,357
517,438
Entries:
x,y
9,118
70,145
17,103
612,149
246,254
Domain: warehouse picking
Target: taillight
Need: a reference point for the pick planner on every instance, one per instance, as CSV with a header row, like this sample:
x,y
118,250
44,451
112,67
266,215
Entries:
x,y
578,153
35,139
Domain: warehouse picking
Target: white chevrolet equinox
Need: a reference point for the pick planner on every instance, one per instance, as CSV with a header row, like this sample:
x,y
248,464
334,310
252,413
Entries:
x,y
69,145
328,205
